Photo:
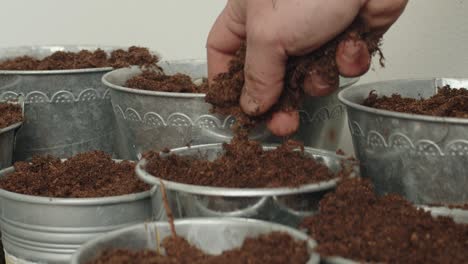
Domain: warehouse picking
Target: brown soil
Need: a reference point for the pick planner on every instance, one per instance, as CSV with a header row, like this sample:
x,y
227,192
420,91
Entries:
x,y
83,59
158,81
263,249
459,206
452,206
225,91
10,114
91,174
447,103
354,223
243,165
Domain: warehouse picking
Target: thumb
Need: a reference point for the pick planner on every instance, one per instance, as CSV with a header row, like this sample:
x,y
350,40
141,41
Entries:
x,y
264,71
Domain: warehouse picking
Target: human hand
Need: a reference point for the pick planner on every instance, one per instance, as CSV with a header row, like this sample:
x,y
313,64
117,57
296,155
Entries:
x,y
277,29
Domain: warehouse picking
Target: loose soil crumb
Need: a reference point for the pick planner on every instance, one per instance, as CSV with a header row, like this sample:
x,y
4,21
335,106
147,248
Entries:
x,y
10,114
272,248
158,81
225,91
244,164
447,103
62,60
356,224
90,174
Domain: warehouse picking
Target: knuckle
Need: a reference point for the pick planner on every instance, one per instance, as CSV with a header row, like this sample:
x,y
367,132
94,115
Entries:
x,y
384,13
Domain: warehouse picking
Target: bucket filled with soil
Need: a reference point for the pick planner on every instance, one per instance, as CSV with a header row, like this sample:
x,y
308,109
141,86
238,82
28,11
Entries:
x,y
11,119
170,108
355,225
166,108
52,206
198,241
242,179
67,108
410,137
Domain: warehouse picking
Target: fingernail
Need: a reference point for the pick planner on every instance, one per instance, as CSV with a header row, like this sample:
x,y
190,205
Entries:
x,y
352,50
315,85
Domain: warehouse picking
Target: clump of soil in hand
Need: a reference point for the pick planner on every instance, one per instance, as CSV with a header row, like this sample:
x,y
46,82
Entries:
x,y
90,174
225,91
158,81
63,60
10,114
263,249
244,164
447,103
354,223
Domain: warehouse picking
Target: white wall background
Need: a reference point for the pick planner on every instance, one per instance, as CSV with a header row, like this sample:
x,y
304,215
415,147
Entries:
x,y
430,39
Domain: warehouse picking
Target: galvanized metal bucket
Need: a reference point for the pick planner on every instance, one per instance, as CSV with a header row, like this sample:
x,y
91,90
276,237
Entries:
x,y
281,205
67,111
212,235
458,215
7,134
49,230
7,141
149,120
423,158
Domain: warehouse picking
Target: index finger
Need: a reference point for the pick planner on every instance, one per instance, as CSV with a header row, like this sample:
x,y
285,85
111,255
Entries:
x,y
224,40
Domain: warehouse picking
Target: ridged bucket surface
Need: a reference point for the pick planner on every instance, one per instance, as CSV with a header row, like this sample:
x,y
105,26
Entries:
x,y
67,111
149,120
210,235
8,134
7,142
281,205
49,230
423,158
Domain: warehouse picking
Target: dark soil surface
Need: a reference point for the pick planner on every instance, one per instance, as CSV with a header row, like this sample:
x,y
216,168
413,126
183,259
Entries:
x,y
272,248
86,175
225,91
459,206
160,82
83,59
447,103
354,223
10,114
243,165
452,206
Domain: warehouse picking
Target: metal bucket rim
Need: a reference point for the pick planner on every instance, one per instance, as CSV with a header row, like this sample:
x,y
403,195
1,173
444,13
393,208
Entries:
x,y
296,234
65,47
10,127
444,210
346,82
239,192
344,95
69,201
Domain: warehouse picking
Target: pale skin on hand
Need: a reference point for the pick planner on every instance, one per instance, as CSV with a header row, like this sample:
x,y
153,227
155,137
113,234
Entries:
x,y
276,29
